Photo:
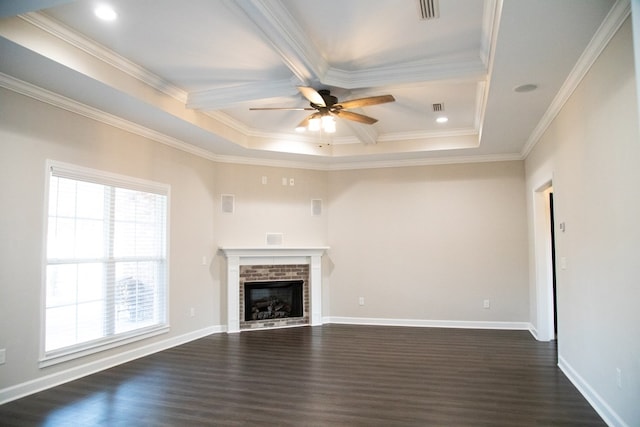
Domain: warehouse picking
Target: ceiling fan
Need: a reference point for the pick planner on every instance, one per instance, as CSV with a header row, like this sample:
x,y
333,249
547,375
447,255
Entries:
x,y
327,106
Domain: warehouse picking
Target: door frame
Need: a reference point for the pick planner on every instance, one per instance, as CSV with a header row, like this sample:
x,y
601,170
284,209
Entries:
x,y
545,328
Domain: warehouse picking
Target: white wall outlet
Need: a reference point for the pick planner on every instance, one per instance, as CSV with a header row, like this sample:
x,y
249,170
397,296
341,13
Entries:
x,y
563,263
285,181
619,377
192,312
486,303
3,356
292,182
204,260
264,180
361,301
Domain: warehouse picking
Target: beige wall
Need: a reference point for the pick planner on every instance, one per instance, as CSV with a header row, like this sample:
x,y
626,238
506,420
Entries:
x,y
592,154
30,133
271,207
429,243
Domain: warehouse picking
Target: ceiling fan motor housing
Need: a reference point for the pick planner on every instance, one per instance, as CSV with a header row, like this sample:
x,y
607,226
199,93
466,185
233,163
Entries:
x,y
329,100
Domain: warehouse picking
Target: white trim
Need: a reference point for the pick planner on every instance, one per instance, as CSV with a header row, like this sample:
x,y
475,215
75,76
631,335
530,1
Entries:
x,y
59,101
104,54
542,263
30,387
612,22
595,400
482,158
273,256
102,177
424,323
534,332
79,351
56,168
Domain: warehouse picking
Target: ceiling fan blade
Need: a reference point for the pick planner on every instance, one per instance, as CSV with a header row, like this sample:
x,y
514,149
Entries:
x,y
312,95
281,109
363,102
360,118
305,122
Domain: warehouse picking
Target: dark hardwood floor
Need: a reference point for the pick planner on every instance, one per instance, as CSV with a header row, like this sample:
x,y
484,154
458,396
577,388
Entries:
x,y
332,375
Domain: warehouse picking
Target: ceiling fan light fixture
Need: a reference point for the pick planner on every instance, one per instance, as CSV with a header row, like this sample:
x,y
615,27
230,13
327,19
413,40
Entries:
x,y
328,124
314,124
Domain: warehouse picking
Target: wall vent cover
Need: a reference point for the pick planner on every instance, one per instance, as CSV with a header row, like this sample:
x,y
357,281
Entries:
x,y
316,207
275,239
438,107
429,9
227,203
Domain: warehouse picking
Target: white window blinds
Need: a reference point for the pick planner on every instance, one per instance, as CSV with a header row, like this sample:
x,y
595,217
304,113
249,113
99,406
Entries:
x,y
106,273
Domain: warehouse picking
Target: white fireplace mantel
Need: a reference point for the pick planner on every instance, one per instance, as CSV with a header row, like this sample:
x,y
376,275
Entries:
x,y
278,255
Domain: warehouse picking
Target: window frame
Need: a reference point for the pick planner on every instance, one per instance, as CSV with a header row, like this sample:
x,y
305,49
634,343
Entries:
x,y
80,173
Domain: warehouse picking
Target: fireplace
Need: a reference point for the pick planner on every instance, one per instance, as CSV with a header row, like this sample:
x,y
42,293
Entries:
x,y
273,264
273,300
274,295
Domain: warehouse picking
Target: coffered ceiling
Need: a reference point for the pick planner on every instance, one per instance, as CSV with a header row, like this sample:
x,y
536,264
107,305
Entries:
x,y
186,72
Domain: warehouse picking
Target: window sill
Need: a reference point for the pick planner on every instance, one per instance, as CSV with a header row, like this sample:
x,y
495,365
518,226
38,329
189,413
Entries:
x,y
65,355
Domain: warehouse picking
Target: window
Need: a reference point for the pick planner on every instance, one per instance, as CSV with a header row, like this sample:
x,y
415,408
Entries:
x,y
106,267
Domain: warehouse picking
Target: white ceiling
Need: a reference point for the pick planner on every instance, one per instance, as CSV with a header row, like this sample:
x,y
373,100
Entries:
x,y
186,72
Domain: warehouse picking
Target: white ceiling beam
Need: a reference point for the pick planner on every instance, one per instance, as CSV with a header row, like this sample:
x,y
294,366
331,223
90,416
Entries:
x,y
413,72
223,97
295,48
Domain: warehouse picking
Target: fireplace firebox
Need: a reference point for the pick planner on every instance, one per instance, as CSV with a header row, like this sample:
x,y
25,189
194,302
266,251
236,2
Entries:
x,y
273,300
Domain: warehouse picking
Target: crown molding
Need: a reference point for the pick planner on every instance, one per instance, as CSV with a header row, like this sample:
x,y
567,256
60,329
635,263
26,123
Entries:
x,y
430,161
417,136
92,113
104,54
59,101
611,24
490,19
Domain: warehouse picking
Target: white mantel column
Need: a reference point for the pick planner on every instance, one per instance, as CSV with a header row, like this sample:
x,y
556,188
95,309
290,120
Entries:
x,y
233,293
315,290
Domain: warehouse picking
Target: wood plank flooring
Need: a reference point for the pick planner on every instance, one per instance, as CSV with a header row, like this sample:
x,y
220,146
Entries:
x,y
331,375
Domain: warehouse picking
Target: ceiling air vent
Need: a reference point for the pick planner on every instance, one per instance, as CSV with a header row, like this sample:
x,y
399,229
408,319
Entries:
x,y
438,107
429,9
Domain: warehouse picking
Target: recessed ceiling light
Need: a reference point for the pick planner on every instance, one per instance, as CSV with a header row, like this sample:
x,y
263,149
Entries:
x,y
442,119
105,12
526,88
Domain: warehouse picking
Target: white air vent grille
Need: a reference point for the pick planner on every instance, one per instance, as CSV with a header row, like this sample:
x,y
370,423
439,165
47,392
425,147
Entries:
x,y
275,239
227,203
438,107
316,207
429,9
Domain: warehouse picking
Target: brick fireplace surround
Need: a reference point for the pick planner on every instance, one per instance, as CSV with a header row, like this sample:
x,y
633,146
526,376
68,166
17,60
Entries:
x,y
273,263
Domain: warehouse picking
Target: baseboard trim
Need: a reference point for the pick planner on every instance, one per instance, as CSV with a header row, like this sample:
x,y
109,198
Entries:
x,y
533,331
462,324
595,400
39,384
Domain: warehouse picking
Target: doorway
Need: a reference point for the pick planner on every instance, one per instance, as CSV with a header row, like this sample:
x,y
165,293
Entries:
x,y
546,310
553,265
